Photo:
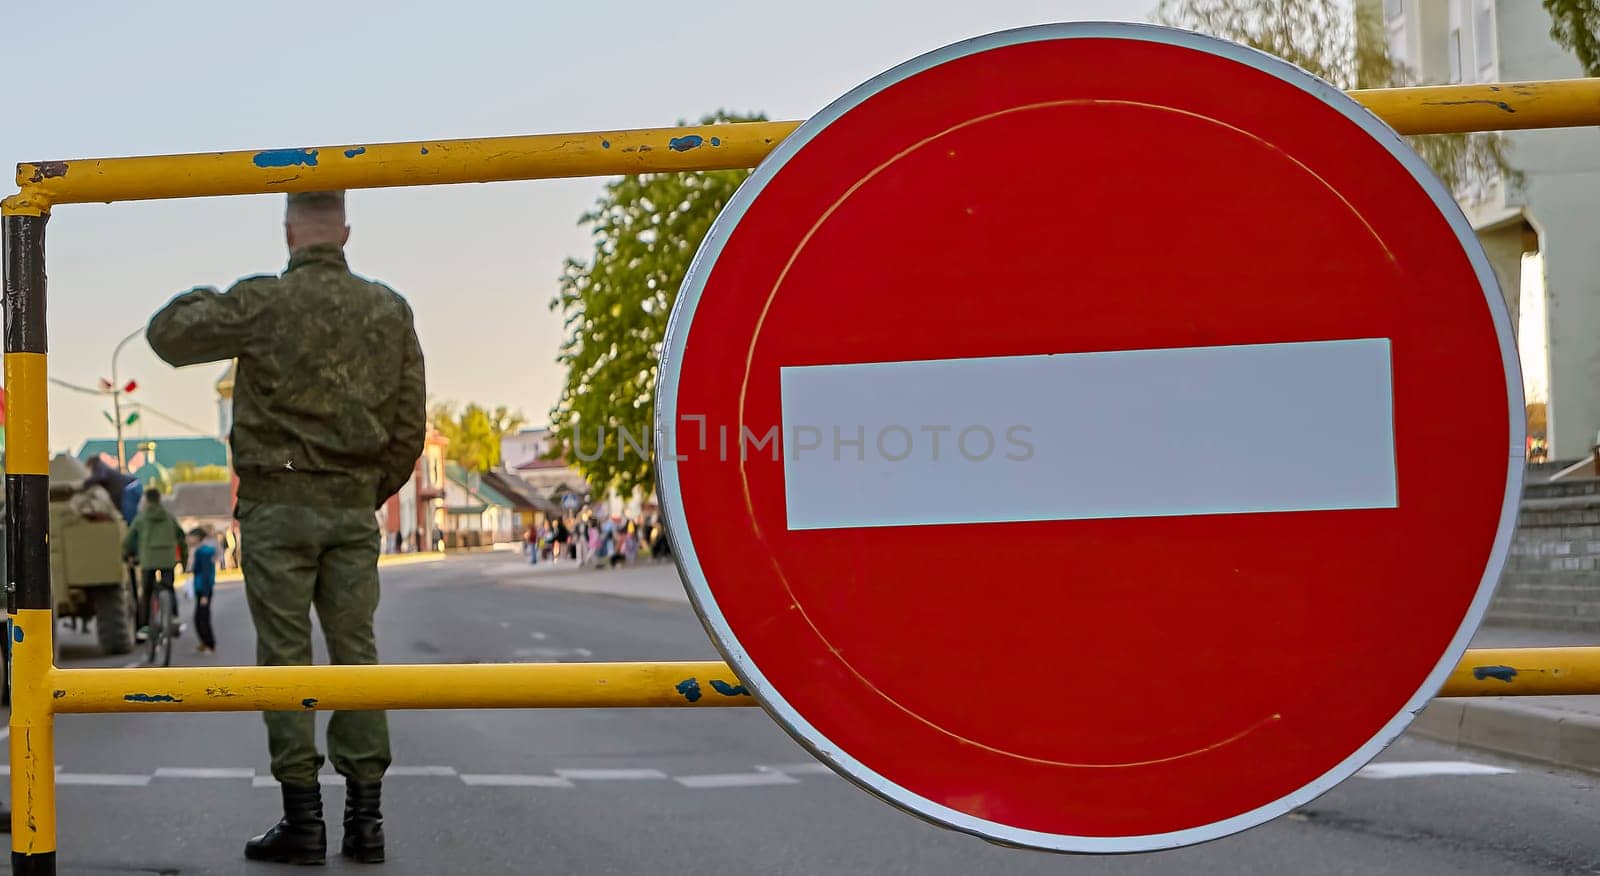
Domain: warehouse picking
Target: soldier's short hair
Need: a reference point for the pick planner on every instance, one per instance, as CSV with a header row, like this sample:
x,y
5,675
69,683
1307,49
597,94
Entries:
x,y
316,201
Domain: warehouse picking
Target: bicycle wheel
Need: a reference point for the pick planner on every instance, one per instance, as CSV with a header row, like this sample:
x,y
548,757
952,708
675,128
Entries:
x,y
161,627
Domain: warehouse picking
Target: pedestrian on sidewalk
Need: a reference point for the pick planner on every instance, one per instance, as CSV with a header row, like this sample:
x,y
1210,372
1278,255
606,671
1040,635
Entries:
x,y
203,582
329,419
562,534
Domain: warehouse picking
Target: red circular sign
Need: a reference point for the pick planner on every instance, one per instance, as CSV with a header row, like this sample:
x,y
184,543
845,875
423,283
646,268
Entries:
x,y
1231,426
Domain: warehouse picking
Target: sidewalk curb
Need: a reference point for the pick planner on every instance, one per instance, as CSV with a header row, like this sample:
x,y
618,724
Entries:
x,y
1519,730
234,576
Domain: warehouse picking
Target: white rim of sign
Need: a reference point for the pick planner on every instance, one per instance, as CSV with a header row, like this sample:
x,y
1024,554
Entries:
x,y
722,634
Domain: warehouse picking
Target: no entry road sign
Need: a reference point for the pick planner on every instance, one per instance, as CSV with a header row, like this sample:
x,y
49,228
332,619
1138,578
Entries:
x,y
1094,437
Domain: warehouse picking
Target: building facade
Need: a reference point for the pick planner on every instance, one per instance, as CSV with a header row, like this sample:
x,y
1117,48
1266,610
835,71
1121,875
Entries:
x,y
1548,217
413,518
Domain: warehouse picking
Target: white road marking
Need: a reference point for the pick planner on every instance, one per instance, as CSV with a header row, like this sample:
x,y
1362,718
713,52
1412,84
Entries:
x,y
421,771
735,780
500,781
796,769
1414,769
608,775
325,780
102,780
765,774
538,636
553,655
204,773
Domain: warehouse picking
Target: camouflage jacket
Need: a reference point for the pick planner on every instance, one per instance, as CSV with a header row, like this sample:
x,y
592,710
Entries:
x,y
328,401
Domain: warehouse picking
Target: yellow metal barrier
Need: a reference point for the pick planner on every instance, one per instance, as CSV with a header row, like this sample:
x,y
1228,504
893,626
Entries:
x,y
40,690
1432,109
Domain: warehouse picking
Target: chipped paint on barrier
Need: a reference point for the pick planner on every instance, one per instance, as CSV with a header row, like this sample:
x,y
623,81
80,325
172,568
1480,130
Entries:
x,y
605,144
351,153
1498,673
286,158
684,144
43,170
58,693
1495,103
309,702
16,633
690,688
152,698
220,693
424,150
716,141
729,690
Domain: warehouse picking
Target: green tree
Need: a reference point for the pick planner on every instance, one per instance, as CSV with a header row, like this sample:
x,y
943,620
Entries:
x,y
1575,25
474,432
1350,51
646,230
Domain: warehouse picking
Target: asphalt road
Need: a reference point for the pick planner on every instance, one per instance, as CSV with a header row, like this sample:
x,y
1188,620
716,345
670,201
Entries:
x,y
686,791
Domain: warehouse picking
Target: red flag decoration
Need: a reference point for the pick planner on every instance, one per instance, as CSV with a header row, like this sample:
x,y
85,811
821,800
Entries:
x,y
132,385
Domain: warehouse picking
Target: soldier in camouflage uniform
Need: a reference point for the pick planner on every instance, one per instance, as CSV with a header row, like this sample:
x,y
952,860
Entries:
x,y
328,422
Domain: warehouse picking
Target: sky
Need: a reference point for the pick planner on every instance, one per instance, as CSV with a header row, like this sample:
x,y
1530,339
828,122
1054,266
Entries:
x,y
479,263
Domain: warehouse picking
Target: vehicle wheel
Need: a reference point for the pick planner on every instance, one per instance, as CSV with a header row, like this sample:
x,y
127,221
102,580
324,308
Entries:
x,y
113,619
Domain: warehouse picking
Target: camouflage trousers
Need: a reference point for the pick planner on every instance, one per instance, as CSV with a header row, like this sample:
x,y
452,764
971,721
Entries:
x,y
295,557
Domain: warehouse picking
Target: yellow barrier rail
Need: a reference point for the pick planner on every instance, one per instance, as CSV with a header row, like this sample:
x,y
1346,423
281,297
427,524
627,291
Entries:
x,y
43,184
41,690
1496,672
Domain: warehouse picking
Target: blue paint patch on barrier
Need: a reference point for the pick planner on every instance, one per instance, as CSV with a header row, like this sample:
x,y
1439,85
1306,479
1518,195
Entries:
x,y
424,150
690,688
684,144
351,153
729,690
152,698
605,144
716,141
309,702
16,633
286,158
1498,673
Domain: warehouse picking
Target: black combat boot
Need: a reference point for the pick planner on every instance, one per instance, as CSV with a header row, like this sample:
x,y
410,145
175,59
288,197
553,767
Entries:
x,y
300,837
363,821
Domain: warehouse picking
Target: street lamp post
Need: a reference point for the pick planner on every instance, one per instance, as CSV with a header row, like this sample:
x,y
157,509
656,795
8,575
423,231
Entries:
x,y
116,399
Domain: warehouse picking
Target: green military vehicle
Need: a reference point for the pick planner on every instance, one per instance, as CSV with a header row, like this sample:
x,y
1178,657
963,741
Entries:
x,y
87,575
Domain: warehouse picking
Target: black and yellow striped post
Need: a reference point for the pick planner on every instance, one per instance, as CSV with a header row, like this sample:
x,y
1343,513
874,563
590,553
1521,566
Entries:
x,y
33,810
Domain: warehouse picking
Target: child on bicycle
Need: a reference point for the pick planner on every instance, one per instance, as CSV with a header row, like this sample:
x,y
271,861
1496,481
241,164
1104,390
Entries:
x,y
158,542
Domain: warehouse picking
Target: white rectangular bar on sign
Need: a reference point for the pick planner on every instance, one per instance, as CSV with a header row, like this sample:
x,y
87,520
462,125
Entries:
x,y
1245,429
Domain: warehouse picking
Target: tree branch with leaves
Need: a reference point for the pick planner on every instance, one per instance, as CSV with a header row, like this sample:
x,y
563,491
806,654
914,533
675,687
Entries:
x,y
1325,39
646,230
474,432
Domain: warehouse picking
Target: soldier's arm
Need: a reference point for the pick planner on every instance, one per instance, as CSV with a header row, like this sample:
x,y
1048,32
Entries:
x,y
410,422
203,325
